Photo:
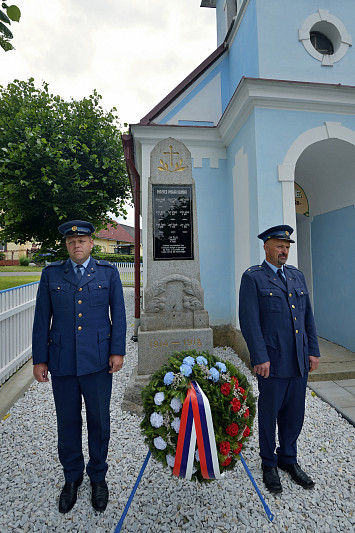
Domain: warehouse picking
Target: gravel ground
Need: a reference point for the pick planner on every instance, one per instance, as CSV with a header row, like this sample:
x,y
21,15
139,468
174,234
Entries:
x,y
32,476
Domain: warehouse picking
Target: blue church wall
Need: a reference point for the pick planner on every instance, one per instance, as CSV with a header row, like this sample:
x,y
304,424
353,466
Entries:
x,y
281,54
243,52
332,232
215,223
222,69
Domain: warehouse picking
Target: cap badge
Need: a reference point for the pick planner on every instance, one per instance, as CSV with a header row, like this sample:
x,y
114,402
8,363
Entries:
x,y
287,233
74,228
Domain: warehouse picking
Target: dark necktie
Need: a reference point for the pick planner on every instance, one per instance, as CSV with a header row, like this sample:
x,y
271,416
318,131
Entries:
x,y
281,276
78,272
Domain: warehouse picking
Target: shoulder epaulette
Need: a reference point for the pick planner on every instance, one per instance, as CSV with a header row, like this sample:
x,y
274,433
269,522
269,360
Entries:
x,y
291,267
254,268
101,262
55,263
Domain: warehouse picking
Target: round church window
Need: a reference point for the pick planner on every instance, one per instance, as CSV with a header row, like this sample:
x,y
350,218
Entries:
x,y
325,37
321,43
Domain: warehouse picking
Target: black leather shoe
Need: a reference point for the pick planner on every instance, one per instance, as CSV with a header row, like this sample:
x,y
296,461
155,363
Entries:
x,y
99,497
69,494
271,478
297,475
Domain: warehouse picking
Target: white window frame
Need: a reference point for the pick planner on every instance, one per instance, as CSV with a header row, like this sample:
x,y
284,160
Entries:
x,y
333,28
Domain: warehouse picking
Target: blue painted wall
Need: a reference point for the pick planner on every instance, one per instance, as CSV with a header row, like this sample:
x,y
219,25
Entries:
x,y
215,223
243,52
282,56
333,253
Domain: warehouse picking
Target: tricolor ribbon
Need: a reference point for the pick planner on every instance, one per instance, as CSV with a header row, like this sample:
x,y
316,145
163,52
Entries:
x,y
196,426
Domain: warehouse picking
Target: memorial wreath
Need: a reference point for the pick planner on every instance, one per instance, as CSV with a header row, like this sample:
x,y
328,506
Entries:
x,y
196,397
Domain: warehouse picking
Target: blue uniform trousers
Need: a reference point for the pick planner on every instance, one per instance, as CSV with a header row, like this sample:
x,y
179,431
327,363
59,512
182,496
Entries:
x,y
281,401
68,392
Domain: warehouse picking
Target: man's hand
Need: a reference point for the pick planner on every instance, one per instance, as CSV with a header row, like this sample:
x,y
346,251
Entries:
x,y
263,369
313,362
115,363
40,372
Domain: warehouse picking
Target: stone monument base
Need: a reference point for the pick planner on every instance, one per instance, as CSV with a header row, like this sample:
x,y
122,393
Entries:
x,y
161,344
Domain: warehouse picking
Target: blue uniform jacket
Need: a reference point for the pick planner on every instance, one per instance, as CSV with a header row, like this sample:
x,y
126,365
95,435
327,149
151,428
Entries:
x,y
78,324
277,322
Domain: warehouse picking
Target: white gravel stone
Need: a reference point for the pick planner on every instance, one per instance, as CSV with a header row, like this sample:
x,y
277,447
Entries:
x,y
32,475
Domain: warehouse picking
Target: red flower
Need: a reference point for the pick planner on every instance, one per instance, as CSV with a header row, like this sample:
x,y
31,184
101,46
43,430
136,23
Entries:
x,y
224,447
246,432
246,414
238,448
235,381
225,389
232,429
235,405
227,461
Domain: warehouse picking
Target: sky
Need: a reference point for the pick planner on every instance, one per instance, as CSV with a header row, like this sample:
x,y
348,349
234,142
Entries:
x,y
133,52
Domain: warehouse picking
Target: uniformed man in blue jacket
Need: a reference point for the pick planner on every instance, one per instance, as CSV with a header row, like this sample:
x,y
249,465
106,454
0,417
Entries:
x,y
79,336
277,323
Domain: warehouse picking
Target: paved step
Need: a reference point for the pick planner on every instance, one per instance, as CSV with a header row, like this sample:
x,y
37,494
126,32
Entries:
x,y
336,363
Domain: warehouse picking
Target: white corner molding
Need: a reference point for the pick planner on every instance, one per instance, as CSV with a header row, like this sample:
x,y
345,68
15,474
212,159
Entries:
x,y
333,28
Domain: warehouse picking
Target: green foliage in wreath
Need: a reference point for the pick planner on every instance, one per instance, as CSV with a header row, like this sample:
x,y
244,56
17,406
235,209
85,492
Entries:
x,y
231,400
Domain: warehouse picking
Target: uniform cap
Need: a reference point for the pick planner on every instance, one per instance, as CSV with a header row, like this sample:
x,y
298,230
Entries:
x,y
76,227
277,232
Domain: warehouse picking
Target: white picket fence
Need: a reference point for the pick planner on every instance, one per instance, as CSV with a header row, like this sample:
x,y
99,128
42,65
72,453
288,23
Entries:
x,y
16,318
17,308
126,271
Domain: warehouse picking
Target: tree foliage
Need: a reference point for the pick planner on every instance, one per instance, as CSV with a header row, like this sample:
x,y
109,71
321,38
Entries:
x,y
59,160
12,14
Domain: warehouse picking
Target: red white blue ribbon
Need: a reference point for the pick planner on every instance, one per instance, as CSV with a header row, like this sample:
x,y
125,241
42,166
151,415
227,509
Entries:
x,y
196,425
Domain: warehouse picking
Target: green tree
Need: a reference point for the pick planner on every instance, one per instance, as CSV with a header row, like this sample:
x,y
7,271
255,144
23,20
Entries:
x,y
12,14
59,161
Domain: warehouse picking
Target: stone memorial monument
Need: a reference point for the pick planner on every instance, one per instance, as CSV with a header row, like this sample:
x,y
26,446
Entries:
x,y
173,317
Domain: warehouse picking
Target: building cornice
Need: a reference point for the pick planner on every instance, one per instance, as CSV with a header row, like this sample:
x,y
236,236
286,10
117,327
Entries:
x,y
286,95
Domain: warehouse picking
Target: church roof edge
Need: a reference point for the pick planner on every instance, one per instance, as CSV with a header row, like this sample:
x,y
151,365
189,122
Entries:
x,y
208,3
191,78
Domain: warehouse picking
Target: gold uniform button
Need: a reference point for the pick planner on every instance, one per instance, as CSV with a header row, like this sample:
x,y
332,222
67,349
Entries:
x,y
295,318
80,328
99,286
80,301
270,293
58,288
293,307
296,330
80,315
80,289
290,295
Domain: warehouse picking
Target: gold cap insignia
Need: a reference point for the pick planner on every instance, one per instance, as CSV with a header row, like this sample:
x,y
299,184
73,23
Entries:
x,y
74,228
287,233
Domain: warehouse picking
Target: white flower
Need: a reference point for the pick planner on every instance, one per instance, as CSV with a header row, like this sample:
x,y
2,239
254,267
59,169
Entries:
x,y
197,456
170,459
156,419
159,398
176,405
159,443
175,424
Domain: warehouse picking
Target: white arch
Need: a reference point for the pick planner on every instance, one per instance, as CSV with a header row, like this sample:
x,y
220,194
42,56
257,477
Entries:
x,y
286,171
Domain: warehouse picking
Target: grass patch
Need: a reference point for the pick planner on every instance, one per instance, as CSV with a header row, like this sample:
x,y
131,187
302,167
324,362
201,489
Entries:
x,y
19,268
7,282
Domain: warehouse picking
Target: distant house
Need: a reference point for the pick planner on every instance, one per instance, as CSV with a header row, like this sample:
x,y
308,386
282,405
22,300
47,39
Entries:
x,y
12,252
116,240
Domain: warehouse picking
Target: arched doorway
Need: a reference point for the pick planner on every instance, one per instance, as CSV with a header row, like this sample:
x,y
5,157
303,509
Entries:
x,y
324,166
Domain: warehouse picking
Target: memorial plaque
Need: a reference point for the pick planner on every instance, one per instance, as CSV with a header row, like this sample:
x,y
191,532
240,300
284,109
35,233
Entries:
x,y
172,222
